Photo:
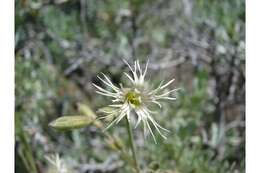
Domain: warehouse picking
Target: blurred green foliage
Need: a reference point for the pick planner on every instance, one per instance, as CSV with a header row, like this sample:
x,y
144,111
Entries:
x,y
62,45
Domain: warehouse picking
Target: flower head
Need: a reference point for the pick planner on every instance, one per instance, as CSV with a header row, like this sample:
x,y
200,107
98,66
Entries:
x,y
138,97
57,163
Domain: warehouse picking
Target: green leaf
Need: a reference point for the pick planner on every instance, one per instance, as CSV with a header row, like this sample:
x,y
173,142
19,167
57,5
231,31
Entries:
x,y
71,122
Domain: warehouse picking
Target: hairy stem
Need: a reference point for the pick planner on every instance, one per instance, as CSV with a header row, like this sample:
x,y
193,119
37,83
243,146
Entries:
x,y
131,139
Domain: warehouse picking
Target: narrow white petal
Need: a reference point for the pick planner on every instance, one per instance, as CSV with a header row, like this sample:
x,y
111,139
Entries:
x,y
167,98
138,121
128,114
146,111
122,115
116,100
135,66
145,128
148,125
112,123
105,94
116,105
154,122
128,66
145,70
50,160
156,90
155,102
108,80
156,125
129,77
139,68
167,93
141,116
102,89
168,83
158,130
109,84
136,79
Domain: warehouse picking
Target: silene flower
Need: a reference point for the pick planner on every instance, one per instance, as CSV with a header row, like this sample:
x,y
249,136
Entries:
x,y
57,163
135,101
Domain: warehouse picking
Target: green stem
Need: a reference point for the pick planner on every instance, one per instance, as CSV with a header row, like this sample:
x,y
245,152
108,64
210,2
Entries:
x,y
131,139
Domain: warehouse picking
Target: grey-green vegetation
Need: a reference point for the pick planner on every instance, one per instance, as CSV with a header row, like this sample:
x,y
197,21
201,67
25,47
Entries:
x,y
62,45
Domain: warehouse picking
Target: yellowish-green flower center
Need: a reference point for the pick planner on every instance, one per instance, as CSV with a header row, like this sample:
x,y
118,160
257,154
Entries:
x,y
133,97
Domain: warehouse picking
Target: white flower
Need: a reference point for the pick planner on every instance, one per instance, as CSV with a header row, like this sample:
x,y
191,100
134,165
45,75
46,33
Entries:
x,y
57,163
135,98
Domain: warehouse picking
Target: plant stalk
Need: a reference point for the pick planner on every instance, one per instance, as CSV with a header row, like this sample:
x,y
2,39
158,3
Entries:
x,y
131,139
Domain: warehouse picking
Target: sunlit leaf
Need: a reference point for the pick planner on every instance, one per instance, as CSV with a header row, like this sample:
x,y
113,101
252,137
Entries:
x,y
86,110
71,122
